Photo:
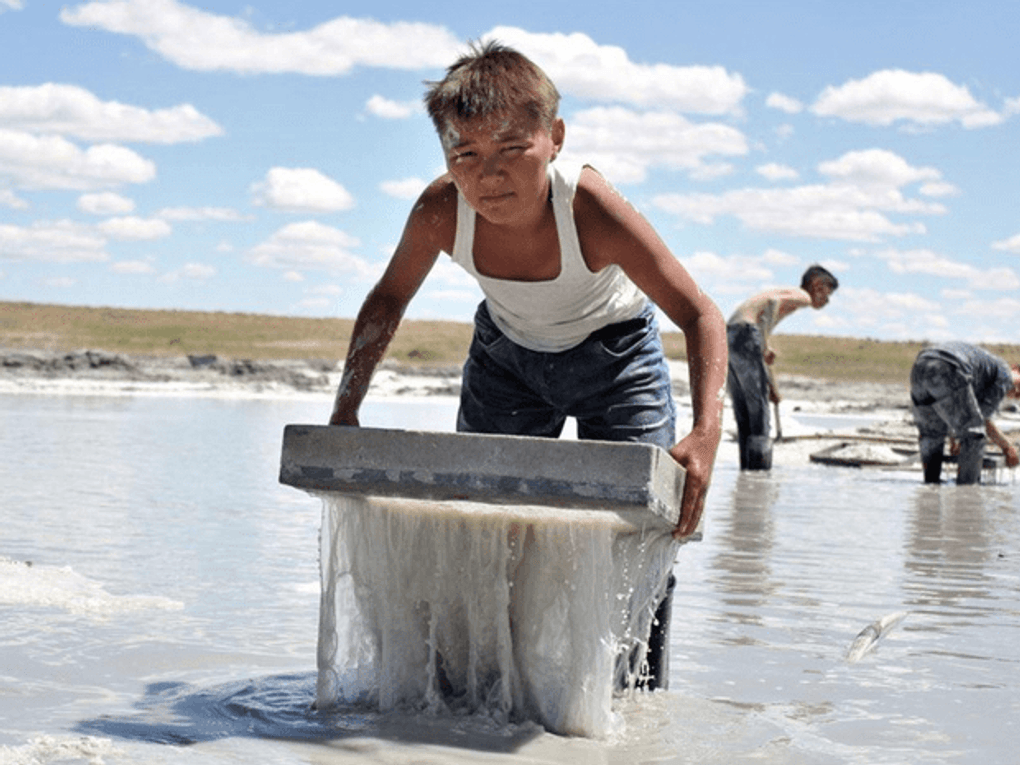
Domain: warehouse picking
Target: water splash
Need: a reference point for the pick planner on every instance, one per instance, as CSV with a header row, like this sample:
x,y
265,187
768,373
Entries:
x,y
464,607
58,749
25,584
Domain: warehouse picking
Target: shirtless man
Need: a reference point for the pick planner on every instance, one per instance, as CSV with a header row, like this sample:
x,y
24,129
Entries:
x,y
750,380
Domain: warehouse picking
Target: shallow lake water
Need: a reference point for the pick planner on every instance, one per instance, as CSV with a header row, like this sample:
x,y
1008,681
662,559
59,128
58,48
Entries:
x,y
159,604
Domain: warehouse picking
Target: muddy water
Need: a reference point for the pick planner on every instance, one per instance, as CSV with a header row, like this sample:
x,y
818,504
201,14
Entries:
x,y
169,613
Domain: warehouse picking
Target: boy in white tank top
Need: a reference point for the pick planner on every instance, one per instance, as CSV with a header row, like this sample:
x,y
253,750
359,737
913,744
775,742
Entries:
x,y
495,112
568,268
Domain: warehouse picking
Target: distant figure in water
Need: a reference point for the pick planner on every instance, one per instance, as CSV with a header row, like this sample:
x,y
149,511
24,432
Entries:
x,y
955,389
570,272
751,382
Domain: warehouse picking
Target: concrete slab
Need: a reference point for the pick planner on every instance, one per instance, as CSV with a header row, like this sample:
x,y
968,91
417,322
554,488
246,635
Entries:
x,y
626,478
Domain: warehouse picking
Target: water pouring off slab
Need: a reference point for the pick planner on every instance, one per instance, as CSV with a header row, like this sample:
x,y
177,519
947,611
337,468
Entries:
x,y
517,577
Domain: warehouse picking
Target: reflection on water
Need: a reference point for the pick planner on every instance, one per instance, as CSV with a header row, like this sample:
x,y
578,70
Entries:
x,y
949,548
746,536
173,599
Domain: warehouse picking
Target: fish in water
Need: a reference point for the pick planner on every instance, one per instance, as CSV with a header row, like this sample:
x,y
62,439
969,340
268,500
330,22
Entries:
x,y
868,637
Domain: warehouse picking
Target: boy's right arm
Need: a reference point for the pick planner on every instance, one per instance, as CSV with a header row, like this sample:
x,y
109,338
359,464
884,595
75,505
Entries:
x,y
1009,450
429,229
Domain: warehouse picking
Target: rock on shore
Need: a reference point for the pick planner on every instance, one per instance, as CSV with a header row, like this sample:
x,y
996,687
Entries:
x,y
92,370
98,371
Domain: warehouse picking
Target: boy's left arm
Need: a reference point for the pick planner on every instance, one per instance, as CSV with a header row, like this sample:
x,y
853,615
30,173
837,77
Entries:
x,y
613,232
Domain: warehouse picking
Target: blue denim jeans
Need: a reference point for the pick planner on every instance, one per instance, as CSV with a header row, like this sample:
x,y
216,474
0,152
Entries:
x,y
615,383
943,401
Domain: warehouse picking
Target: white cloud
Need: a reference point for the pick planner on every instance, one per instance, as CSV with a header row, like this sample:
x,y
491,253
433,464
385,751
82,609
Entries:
x,y
60,282
711,170
892,95
9,199
454,289
406,188
777,172
53,162
784,103
876,167
923,261
198,271
14,5
132,267
707,264
219,214
52,242
872,308
300,190
72,110
784,133
193,271
105,203
854,206
312,245
314,305
452,300
195,39
1000,317
625,144
748,269
1012,244
822,212
391,110
939,189
581,67
955,294
133,228
780,258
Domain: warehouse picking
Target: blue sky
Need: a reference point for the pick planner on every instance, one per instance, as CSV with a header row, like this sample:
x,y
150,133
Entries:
x,y
262,157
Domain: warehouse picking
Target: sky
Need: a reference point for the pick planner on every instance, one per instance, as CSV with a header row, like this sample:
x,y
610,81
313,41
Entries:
x,y
262,157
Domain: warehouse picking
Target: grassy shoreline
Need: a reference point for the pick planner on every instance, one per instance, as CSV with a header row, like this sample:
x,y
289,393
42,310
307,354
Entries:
x,y
60,328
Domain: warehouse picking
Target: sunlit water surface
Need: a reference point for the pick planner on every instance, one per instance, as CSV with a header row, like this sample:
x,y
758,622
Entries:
x,y
159,604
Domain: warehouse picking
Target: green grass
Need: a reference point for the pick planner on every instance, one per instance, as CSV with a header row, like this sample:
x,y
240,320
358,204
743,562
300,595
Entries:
x,y
417,343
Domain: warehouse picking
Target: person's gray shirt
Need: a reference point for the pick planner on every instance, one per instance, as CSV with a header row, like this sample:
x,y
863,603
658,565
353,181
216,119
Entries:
x,y
988,374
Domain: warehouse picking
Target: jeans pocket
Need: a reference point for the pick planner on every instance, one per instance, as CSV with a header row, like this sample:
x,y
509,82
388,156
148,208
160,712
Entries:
x,y
487,335
623,339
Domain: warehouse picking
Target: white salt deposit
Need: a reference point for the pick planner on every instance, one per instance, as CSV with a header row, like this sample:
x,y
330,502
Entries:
x,y
469,607
63,749
25,584
870,454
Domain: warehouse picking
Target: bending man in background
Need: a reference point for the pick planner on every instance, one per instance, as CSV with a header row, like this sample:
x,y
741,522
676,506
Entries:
x,y
955,388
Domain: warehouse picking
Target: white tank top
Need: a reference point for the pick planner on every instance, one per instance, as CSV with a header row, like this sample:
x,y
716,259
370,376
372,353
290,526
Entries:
x,y
557,314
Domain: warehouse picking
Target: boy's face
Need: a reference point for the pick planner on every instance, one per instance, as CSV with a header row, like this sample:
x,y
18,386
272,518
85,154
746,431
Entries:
x,y
499,164
819,290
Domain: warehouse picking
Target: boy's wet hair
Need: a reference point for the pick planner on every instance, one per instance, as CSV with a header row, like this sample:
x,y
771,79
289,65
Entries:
x,y
818,272
491,79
